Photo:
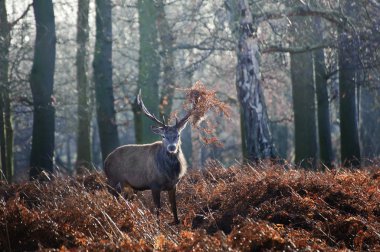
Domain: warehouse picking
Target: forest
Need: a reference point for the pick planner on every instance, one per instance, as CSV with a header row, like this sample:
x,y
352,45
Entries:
x,y
281,96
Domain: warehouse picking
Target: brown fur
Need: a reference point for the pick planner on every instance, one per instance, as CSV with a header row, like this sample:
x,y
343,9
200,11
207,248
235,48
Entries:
x,y
144,167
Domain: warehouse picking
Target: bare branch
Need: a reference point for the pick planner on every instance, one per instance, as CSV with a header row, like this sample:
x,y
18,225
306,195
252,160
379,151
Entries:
x,y
275,48
304,10
201,48
12,24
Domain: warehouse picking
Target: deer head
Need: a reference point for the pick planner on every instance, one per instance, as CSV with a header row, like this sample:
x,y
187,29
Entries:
x,y
170,133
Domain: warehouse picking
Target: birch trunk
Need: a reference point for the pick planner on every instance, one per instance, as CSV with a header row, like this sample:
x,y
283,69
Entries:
x,y
256,136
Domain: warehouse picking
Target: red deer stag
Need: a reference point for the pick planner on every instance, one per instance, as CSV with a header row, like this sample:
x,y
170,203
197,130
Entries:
x,y
157,166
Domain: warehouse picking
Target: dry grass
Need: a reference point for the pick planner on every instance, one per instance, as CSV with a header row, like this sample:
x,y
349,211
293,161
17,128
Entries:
x,y
239,208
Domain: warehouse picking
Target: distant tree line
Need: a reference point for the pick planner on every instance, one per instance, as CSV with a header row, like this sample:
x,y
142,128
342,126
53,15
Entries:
x,y
326,51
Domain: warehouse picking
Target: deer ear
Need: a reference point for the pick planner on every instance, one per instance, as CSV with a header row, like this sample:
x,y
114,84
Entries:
x,y
157,130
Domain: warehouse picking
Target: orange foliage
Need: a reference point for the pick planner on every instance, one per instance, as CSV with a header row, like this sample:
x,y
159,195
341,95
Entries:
x,y
235,209
199,100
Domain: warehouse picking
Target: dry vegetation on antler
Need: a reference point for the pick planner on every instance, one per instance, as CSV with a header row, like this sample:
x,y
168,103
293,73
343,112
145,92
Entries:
x,y
239,208
198,101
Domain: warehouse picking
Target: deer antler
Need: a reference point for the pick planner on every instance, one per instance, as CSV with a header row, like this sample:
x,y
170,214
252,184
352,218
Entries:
x,y
146,112
182,122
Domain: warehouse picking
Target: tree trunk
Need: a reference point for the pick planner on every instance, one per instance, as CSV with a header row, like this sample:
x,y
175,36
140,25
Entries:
x,y
4,82
96,152
324,127
149,69
323,106
256,137
84,114
9,140
166,39
304,109
68,154
42,82
370,123
348,76
105,109
2,140
187,135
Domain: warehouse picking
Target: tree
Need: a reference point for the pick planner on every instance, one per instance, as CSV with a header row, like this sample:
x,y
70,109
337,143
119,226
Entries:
x,y
323,109
256,137
349,75
303,93
6,132
320,78
105,109
167,55
84,113
42,82
370,122
149,69
304,109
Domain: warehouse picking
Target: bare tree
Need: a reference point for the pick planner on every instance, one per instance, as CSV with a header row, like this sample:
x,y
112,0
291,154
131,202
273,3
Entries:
x,y
304,109
167,56
42,82
105,109
323,106
303,90
149,68
84,113
349,76
6,133
256,136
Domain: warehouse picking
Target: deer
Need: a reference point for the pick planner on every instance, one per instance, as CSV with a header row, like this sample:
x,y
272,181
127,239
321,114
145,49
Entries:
x,y
156,166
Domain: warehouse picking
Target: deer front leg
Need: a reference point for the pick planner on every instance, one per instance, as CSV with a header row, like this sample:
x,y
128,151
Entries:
x,y
156,199
114,188
173,204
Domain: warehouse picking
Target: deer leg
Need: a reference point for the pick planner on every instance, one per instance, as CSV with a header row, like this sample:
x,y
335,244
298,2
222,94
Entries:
x,y
128,191
114,188
156,199
173,204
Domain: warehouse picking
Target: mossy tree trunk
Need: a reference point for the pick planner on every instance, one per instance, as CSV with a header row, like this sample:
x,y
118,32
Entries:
x,y
4,82
304,109
9,140
348,76
167,56
324,126
370,123
323,106
105,109
84,112
149,69
42,82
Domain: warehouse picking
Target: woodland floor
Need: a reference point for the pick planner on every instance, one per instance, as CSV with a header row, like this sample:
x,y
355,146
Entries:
x,y
235,209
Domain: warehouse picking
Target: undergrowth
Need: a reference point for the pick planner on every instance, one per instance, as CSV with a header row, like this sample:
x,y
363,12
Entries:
x,y
237,209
